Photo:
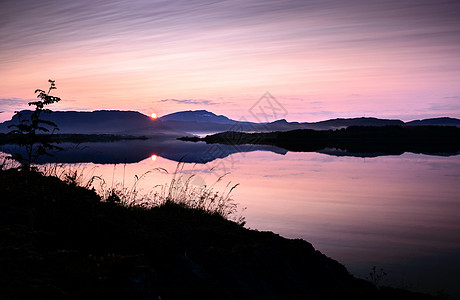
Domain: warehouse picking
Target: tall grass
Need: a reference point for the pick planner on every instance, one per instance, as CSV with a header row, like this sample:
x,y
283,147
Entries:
x,y
203,197
7,163
181,189
72,174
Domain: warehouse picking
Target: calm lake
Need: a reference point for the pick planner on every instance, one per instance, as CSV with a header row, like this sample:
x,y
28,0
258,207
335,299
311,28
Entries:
x,y
399,213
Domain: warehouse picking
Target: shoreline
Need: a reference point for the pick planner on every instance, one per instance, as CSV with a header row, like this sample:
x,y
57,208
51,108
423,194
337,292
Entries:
x,y
55,231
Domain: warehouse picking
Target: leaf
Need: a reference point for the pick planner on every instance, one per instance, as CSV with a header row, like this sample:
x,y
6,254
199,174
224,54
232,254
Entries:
x,y
43,129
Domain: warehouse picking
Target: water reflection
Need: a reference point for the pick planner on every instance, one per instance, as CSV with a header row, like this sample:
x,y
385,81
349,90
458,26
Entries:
x,y
395,212
399,213
133,151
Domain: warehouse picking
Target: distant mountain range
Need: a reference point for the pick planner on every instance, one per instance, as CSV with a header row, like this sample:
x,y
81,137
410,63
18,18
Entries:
x,y
198,121
206,122
436,122
100,122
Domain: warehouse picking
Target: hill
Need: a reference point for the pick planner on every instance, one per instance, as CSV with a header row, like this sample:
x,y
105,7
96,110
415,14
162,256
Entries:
x,y
342,123
203,121
445,121
353,139
198,121
100,122
199,116
60,241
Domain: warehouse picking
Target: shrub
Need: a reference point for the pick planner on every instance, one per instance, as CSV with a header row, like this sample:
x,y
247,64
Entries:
x,y
31,125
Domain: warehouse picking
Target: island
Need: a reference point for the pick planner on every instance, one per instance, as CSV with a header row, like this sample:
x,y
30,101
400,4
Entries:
x,y
353,139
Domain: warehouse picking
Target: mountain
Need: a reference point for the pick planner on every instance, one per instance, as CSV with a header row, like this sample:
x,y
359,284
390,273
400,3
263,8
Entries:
x,y
199,116
203,121
198,121
341,123
445,121
100,121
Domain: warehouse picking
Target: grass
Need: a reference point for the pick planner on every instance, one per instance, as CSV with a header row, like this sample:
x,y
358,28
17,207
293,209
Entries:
x,y
180,190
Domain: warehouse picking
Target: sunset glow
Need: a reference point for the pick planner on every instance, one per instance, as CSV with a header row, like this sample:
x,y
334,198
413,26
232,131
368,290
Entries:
x,y
388,59
246,149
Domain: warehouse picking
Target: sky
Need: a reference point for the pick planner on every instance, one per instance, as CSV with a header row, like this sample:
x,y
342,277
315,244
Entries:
x,y
318,59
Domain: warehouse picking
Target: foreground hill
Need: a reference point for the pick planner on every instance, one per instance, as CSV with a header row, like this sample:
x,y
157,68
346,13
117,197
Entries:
x,y
59,241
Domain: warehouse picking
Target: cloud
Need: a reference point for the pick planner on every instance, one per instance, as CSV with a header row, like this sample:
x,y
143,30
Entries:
x,y
446,107
9,105
317,115
191,101
14,104
321,113
203,48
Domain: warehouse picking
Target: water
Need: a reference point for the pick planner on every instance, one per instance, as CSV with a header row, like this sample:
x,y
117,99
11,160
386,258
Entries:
x,y
399,213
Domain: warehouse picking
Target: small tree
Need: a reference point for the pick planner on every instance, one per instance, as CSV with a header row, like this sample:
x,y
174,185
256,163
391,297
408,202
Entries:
x,y
30,127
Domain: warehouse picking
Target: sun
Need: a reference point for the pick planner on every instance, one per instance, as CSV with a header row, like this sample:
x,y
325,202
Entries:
x,y
153,157
153,116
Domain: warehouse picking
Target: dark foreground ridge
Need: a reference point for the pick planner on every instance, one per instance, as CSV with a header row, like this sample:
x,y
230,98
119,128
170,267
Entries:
x,y
60,241
354,139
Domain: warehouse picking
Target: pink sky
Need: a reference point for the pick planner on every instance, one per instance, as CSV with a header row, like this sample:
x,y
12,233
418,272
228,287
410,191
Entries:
x,y
319,59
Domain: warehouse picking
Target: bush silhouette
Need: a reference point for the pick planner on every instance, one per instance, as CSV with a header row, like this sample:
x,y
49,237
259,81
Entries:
x,y
31,127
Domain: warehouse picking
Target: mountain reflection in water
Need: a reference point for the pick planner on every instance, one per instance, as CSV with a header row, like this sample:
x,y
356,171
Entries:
x,y
133,151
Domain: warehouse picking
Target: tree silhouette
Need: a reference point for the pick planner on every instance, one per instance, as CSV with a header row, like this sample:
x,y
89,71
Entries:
x,y
32,132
